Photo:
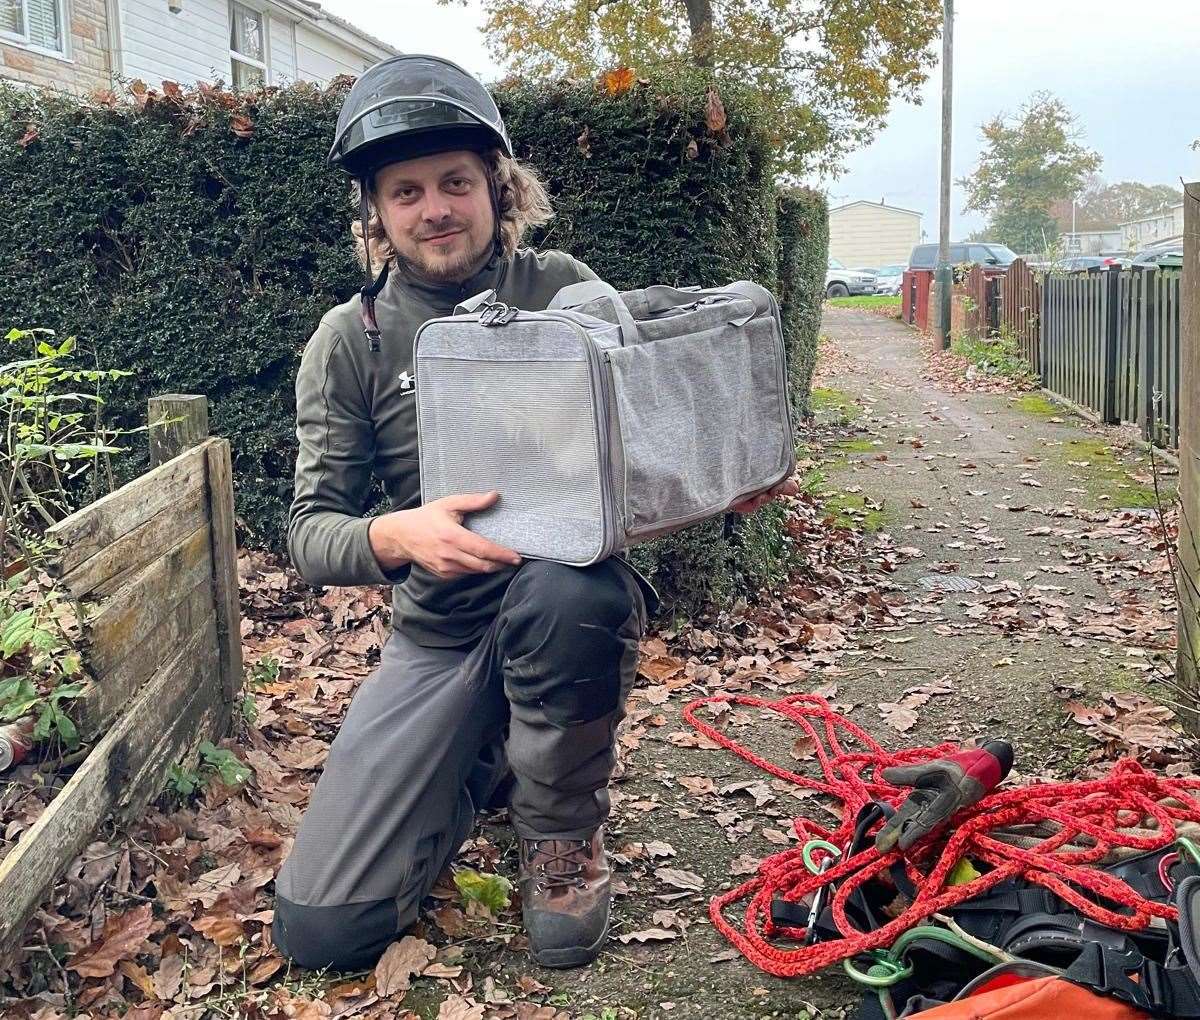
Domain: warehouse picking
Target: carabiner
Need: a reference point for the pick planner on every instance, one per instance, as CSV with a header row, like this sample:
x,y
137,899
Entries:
x,y
818,844
885,970
1187,846
1164,869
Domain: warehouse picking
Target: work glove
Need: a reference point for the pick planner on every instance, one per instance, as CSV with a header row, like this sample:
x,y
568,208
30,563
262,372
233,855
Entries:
x,y
940,788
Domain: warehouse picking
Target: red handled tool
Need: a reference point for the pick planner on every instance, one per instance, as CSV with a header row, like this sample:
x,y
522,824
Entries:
x,y
941,788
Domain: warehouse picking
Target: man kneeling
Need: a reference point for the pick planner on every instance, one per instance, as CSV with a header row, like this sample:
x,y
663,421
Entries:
x,y
501,678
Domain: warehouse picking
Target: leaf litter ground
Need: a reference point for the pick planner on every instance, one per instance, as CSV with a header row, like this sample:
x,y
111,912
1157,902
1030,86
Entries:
x,y
1064,644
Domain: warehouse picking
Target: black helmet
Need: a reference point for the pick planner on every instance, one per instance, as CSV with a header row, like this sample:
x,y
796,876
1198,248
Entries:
x,y
414,105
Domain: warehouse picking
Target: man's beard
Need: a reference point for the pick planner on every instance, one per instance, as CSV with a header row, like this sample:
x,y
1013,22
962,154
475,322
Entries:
x,y
454,270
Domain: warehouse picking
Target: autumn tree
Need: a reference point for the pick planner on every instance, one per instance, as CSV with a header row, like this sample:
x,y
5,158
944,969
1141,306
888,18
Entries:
x,y
1028,163
827,70
1100,206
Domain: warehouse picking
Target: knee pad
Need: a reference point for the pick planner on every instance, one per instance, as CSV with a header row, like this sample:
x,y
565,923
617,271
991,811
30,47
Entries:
x,y
344,936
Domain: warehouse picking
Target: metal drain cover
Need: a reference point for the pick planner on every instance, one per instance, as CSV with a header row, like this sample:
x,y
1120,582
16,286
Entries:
x,y
949,582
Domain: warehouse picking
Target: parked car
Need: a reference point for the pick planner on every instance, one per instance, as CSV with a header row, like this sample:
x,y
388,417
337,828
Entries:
x,y
887,279
1160,256
986,253
841,282
1035,261
1080,263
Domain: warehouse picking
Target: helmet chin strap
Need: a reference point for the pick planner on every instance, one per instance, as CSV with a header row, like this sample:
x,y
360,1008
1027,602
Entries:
x,y
374,284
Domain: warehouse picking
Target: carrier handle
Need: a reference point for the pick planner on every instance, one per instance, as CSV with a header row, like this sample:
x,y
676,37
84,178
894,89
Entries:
x,y
472,304
586,291
648,303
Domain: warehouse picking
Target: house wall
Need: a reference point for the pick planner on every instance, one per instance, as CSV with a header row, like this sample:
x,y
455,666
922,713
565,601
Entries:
x,y
1140,233
84,67
193,45
1092,242
320,58
282,47
187,47
872,235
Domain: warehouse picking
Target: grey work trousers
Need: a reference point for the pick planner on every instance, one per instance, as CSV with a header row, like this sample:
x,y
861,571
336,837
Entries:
x,y
432,734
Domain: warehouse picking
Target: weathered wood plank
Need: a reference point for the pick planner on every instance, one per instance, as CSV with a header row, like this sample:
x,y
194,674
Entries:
x,y
103,699
125,619
224,564
190,429
89,531
126,763
1188,661
104,573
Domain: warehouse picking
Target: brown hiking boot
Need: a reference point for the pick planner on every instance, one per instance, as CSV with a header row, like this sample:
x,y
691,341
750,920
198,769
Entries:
x,y
565,896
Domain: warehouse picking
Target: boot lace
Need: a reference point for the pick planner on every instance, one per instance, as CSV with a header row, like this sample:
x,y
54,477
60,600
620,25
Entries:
x,y
570,862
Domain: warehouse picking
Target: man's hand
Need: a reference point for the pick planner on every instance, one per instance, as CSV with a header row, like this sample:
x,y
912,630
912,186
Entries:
x,y
788,487
433,536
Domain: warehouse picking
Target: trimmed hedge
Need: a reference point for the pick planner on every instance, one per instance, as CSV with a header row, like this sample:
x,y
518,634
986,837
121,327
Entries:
x,y
803,226
197,238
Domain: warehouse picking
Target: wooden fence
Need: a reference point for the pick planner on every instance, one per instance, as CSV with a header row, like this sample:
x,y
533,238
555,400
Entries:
x,y
1147,354
1107,340
915,289
152,568
1019,310
1077,358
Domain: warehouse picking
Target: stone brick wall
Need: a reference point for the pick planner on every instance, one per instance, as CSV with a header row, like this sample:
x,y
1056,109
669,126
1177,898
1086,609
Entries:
x,y
87,65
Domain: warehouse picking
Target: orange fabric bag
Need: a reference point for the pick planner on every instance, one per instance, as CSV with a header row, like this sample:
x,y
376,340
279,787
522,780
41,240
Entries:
x,y
1037,999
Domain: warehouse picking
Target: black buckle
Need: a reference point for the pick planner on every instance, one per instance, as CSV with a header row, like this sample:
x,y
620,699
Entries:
x,y
1107,972
497,313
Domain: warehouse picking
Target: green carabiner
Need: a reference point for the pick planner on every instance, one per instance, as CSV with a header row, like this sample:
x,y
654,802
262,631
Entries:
x,y
885,970
818,844
1187,846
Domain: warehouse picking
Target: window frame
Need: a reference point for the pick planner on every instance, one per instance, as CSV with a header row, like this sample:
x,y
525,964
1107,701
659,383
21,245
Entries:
x,y
236,56
24,42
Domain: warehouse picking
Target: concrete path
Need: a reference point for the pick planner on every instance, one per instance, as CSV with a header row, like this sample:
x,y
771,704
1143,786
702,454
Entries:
x,y
1010,502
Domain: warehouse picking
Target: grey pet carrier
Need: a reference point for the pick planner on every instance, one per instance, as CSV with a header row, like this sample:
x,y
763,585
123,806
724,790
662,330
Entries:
x,y
607,419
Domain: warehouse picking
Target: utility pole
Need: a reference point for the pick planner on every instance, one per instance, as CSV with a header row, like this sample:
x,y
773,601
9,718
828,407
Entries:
x,y
944,276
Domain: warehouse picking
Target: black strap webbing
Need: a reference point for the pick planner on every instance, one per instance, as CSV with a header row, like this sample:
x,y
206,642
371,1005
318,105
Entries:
x,y
1130,977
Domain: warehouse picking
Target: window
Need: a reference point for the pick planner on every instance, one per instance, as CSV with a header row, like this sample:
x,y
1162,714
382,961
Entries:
x,y
924,256
33,22
247,46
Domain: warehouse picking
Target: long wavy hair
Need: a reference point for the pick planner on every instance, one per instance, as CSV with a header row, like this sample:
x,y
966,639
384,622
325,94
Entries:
x,y
522,197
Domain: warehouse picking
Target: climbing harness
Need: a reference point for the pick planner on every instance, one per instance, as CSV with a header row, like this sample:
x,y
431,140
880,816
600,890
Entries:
x,y
1043,884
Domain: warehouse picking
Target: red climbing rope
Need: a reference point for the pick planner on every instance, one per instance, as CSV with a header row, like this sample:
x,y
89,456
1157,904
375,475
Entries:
x,y
1101,812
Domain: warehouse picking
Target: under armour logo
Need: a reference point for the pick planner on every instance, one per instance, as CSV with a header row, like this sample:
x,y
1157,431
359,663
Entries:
x,y
407,382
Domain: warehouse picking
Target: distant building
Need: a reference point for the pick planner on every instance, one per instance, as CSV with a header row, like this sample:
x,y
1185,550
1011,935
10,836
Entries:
x,y
1092,242
873,234
1162,226
83,45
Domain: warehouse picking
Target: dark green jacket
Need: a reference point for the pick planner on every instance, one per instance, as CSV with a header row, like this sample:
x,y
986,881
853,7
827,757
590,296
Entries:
x,y
356,419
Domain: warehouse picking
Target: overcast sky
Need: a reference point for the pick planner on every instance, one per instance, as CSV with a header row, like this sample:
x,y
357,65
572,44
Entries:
x,y
1130,73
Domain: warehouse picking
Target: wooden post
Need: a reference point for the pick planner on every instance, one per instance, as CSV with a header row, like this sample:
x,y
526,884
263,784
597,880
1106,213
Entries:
x,y
1111,333
191,428
1188,580
225,578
